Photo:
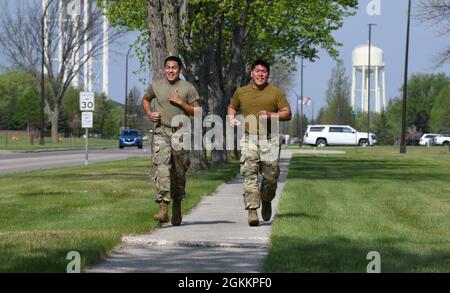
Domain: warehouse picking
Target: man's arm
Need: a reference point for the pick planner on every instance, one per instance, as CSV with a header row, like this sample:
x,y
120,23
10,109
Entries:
x,y
146,104
284,114
232,114
189,109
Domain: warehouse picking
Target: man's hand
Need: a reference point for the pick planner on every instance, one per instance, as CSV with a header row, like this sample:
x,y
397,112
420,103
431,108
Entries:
x,y
175,98
154,116
234,122
264,114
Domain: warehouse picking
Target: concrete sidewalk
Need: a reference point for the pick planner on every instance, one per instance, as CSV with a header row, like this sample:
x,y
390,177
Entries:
x,y
214,237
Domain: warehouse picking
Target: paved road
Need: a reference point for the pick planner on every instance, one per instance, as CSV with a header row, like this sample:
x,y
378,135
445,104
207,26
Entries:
x,y
213,238
11,162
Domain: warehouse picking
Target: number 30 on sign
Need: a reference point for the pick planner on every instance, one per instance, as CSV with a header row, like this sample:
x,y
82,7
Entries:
x,y
87,101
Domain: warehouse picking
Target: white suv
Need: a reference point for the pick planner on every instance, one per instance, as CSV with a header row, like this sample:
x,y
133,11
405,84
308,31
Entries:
x,y
442,139
323,135
427,138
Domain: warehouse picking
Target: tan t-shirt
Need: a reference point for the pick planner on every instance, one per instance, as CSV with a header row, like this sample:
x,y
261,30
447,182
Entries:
x,y
160,92
251,101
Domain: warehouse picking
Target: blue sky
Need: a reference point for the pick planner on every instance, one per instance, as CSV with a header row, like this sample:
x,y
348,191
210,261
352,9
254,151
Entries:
x,y
388,34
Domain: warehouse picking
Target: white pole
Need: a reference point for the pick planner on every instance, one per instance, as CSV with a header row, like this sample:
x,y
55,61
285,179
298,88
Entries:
x,y
105,56
61,33
90,67
86,46
377,92
86,147
76,55
383,91
353,86
363,89
44,7
73,9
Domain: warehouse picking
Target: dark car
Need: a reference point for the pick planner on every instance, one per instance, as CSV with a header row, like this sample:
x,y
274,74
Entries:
x,y
130,137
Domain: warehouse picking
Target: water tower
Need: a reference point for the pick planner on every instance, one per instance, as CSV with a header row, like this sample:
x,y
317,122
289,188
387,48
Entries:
x,y
360,60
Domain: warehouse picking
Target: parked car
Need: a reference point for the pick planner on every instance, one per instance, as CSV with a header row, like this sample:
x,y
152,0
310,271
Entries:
x,y
427,138
323,135
130,137
442,139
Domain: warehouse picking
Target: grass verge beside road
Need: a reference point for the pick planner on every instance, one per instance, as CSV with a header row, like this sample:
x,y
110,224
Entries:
x,y
335,209
46,214
23,143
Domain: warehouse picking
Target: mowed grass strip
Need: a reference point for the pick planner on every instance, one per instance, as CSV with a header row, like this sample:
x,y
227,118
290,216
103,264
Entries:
x,y
23,143
46,214
335,209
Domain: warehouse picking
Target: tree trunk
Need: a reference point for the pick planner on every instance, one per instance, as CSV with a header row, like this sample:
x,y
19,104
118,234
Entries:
x,y
216,84
170,26
198,160
54,117
158,51
163,28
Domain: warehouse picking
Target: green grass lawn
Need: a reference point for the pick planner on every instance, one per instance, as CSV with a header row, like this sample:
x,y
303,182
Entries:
x,y
46,214
337,208
23,143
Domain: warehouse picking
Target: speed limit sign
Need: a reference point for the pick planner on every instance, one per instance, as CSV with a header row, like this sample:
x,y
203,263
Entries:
x,y
87,101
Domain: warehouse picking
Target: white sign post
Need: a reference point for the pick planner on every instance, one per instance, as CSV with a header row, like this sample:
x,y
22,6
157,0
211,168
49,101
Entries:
x,y
87,105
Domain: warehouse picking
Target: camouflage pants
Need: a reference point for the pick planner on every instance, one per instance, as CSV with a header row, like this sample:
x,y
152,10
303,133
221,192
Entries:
x,y
259,157
169,165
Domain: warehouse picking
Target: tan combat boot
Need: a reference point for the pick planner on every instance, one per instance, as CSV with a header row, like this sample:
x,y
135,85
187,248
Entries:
x,y
253,218
162,215
176,212
266,210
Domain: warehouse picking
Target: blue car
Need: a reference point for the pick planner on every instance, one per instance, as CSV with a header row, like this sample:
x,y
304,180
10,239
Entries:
x,y
130,137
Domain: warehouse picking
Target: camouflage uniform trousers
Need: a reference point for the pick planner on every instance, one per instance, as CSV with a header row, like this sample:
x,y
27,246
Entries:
x,y
259,156
169,165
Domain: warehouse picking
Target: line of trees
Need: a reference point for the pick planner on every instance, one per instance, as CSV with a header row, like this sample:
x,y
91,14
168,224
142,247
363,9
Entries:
x,y
20,108
21,35
428,107
219,39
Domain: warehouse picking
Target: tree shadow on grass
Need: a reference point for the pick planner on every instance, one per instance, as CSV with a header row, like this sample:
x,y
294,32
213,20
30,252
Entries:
x,y
345,168
340,254
48,260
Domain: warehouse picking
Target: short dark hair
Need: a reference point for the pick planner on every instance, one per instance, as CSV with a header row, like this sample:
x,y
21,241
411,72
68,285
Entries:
x,y
174,58
261,62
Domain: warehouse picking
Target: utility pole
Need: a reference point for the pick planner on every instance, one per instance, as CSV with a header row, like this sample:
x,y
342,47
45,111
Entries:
x,y
300,135
126,89
405,86
368,86
44,11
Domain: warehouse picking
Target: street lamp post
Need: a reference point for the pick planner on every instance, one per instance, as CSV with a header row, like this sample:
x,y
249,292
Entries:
x,y
41,139
299,119
368,86
405,86
126,89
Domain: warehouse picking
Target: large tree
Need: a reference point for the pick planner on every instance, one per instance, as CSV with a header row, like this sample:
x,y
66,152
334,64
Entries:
x,y
133,107
21,41
440,114
218,39
19,102
423,93
383,129
338,110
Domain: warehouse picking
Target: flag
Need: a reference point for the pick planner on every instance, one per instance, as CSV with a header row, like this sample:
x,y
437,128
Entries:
x,y
306,101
